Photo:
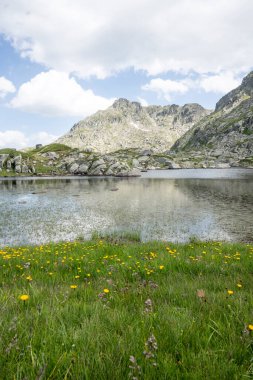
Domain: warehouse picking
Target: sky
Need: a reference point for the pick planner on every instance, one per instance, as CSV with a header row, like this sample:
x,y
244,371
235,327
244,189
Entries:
x,y
61,61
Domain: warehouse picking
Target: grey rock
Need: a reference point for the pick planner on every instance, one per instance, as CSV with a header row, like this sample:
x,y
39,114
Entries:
x,y
129,173
18,168
143,159
97,163
17,160
51,155
24,169
135,163
9,164
3,158
74,168
83,169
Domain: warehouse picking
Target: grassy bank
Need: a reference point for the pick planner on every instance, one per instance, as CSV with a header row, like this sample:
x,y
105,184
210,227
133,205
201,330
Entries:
x,y
106,310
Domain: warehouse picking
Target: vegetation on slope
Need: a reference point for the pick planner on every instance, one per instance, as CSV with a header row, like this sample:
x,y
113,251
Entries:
x,y
96,310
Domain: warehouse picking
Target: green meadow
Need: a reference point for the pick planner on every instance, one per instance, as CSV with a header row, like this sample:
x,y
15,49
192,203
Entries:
x,y
108,309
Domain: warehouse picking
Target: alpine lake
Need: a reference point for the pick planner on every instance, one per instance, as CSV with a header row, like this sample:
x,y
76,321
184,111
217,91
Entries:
x,y
169,205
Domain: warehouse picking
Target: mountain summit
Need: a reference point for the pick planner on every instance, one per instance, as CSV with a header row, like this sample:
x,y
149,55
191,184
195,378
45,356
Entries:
x,y
228,131
128,124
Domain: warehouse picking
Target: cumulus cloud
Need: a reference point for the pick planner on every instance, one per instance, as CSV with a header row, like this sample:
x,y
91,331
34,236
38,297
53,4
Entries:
x,y
143,102
221,83
104,37
55,93
18,140
6,87
13,139
166,87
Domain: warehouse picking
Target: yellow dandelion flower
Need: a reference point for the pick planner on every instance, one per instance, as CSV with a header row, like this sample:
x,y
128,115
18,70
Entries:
x,y
230,292
106,290
250,327
24,297
77,276
29,278
161,267
239,285
73,286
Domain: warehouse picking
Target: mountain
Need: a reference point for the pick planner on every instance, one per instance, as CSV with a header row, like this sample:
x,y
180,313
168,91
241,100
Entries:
x,y
129,125
227,133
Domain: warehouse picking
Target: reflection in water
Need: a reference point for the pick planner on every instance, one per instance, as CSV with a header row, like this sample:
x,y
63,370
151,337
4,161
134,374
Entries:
x,y
175,209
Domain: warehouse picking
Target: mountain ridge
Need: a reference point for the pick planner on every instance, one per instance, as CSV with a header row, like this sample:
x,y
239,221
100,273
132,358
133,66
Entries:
x,y
128,124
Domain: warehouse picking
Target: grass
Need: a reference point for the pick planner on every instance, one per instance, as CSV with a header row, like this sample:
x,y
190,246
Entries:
x,y
95,309
54,148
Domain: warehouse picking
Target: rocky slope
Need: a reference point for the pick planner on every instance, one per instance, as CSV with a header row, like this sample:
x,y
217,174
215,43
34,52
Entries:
x,y
129,125
226,135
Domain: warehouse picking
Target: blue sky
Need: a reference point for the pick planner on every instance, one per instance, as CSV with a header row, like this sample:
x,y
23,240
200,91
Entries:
x,y
63,62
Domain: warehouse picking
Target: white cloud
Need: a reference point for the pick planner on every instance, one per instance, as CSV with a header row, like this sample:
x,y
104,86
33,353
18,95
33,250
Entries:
x,y
18,140
221,83
143,102
166,87
95,37
6,87
13,139
55,93
43,138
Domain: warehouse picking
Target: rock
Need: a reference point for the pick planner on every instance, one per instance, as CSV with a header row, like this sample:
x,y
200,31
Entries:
x,y
3,158
130,173
146,152
99,170
97,163
143,159
51,155
17,160
18,168
24,169
222,165
9,164
74,168
135,163
109,172
83,169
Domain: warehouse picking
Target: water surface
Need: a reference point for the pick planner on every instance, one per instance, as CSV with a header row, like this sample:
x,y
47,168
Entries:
x,y
172,205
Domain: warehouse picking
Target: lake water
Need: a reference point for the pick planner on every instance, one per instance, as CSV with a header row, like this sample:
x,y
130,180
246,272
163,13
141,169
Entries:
x,y
172,205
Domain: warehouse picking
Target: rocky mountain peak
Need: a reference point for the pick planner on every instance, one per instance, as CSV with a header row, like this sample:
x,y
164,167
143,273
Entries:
x,y
128,124
236,96
122,103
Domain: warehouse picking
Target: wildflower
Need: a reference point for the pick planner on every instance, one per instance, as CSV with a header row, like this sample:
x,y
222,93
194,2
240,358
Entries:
x,y
161,267
239,285
230,292
73,286
29,278
24,297
150,349
106,290
250,327
148,306
135,368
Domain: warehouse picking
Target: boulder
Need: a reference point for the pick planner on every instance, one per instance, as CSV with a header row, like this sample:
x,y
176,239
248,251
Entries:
x,y
24,169
51,155
74,168
17,160
97,163
83,169
18,168
3,158
129,173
